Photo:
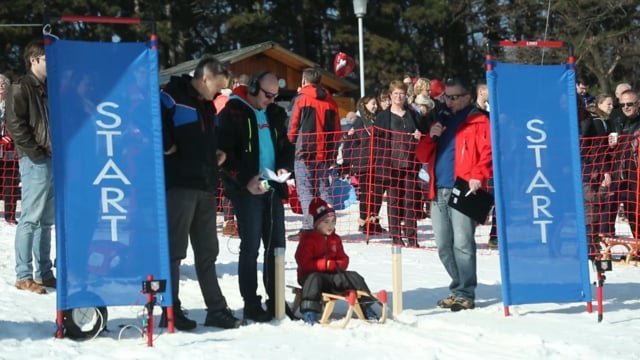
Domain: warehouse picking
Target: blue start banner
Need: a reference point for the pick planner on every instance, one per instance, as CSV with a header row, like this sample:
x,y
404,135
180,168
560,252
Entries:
x,y
108,172
538,187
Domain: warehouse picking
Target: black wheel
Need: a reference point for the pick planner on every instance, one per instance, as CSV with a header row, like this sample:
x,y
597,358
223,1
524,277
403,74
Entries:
x,y
81,323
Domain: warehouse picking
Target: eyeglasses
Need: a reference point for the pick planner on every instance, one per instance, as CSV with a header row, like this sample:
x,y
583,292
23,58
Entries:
x,y
269,95
629,104
454,97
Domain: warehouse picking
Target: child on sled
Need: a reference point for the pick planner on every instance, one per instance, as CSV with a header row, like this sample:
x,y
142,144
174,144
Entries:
x,y
322,265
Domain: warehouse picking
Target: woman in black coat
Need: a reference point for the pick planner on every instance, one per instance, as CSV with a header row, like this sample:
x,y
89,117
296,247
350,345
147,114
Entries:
x,y
397,131
357,155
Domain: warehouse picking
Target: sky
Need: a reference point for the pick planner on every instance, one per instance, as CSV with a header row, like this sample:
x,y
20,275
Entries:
x,y
421,330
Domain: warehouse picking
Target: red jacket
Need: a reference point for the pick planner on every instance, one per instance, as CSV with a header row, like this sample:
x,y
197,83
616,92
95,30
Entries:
x,y
319,253
472,151
315,124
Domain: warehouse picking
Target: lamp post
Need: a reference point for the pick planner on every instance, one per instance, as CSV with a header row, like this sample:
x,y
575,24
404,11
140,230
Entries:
x,y
360,9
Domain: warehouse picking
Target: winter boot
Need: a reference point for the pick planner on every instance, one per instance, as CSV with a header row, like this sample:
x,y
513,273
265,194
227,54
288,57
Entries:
x,y
446,302
310,317
369,313
254,311
462,304
222,318
180,320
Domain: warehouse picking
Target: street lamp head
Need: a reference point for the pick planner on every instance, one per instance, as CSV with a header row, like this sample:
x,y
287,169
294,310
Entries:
x,y
360,7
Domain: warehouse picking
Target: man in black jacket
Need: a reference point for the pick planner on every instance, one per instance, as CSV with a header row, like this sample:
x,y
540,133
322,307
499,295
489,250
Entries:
x,y
28,123
253,136
191,175
627,157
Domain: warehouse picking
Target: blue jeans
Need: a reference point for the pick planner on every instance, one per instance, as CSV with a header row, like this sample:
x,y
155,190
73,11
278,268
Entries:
x,y
312,180
33,234
454,233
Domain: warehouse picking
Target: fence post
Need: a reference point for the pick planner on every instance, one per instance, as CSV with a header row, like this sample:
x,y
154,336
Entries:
x,y
279,264
396,261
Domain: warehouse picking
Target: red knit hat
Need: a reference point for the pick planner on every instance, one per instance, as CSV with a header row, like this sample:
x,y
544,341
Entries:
x,y
437,88
319,209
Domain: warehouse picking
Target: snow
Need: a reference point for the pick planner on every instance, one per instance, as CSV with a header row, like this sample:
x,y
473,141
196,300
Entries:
x,y
421,331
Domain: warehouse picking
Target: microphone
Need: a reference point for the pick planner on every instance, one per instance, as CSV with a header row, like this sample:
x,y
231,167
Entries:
x,y
435,138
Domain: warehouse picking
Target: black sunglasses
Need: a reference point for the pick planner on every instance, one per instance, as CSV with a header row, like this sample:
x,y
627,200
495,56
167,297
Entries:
x,y
454,97
269,95
629,104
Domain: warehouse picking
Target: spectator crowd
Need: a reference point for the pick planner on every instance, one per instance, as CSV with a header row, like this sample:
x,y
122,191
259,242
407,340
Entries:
x,y
402,149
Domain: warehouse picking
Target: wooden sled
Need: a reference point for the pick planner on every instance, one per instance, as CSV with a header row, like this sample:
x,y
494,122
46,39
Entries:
x,y
351,297
632,245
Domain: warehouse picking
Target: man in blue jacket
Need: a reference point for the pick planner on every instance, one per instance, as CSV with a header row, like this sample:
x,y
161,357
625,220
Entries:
x,y
191,173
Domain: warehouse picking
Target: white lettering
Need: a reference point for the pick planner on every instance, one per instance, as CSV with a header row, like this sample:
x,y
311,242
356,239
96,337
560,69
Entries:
x,y
543,229
541,132
109,139
538,153
539,181
540,203
114,224
101,110
104,173
538,207
113,201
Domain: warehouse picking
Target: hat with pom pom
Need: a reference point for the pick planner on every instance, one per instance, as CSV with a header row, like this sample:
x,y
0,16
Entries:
x,y
319,209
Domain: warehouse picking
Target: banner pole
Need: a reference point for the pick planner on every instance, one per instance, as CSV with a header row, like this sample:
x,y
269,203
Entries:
x,y
150,302
59,324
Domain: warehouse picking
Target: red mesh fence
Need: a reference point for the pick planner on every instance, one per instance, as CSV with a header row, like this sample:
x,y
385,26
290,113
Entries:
x,y
9,181
392,184
380,190
611,194
370,176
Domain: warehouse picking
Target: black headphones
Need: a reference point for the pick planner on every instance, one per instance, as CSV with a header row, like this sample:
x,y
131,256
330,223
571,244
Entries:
x,y
254,83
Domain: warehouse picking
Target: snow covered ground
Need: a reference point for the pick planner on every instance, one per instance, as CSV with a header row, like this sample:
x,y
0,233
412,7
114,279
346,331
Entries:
x,y
421,331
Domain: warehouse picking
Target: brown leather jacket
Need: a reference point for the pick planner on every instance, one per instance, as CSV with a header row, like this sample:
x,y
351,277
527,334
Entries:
x,y
27,117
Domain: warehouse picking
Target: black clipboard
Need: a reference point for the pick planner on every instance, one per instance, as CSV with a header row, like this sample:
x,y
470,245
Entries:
x,y
475,206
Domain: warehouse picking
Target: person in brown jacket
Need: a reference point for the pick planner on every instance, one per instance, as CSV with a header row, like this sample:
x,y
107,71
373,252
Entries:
x,y
28,123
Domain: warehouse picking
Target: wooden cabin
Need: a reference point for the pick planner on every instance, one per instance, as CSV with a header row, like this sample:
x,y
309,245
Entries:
x,y
286,65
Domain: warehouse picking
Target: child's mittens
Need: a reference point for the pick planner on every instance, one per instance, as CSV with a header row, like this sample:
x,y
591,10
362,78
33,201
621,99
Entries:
x,y
321,264
325,265
331,266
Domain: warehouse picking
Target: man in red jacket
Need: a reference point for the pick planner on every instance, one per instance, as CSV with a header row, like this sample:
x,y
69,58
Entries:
x,y
322,264
458,145
315,131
